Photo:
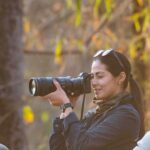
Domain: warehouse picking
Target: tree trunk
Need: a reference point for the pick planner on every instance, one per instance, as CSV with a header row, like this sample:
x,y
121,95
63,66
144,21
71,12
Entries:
x,y
11,75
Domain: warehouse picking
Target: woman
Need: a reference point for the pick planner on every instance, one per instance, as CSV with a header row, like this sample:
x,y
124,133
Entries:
x,y
117,121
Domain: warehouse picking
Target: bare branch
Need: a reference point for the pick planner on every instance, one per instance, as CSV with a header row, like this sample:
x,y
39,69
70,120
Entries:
x,y
4,117
53,21
105,21
47,52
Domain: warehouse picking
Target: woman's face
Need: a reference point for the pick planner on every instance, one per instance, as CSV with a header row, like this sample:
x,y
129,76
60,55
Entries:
x,y
104,84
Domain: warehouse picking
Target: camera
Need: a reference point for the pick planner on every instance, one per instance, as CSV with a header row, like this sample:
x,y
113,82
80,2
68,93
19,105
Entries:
x,y
73,86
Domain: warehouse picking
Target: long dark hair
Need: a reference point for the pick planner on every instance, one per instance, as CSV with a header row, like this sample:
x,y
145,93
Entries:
x,y
116,63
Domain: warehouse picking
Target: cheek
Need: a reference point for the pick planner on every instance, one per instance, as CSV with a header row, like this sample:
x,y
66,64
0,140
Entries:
x,y
106,81
98,82
111,85
108,84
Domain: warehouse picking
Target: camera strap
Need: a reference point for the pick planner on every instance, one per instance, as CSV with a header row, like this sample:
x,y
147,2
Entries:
x,y
82,108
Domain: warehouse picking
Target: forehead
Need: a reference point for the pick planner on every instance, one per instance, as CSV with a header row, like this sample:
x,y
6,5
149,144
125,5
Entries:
x,y
98,66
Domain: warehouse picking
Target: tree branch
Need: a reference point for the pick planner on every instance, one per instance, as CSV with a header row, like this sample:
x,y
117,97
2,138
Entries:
x,y
53,21
47,52
105,21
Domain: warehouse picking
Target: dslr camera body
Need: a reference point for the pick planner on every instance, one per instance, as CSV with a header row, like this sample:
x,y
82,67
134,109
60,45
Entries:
x,y
73,86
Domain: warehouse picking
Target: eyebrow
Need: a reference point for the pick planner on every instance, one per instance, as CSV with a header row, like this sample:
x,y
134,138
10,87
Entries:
x,y
99,72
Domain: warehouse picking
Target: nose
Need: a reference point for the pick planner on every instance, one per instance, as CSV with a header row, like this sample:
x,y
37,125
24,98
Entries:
x,y
94,82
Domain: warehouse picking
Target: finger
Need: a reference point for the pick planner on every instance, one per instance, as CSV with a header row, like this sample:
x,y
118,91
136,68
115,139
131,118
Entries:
x,y
56,83
50,101
62,115
46,96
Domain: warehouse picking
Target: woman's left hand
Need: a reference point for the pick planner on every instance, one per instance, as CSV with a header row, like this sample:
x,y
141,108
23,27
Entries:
x,y
57,97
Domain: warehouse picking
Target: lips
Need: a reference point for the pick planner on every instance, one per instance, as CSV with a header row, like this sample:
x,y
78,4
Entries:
x,y
97,91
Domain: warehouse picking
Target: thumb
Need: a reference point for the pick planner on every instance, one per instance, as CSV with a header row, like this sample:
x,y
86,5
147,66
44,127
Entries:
x,y
56,83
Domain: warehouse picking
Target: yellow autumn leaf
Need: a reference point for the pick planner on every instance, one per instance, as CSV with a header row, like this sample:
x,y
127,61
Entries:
x,y
132,51
108,6
28,115
137,25
144,57
69,3
78,18
146,23
26,25
96,7
94,38
58,52
45,116
140,2
78,13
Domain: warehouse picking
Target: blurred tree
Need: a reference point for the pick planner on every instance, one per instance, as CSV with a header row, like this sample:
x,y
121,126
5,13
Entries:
x,y
11,75
140,60
140,29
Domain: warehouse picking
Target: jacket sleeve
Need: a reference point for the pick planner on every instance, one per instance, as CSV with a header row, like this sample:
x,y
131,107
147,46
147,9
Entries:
x,y
120,124
57,140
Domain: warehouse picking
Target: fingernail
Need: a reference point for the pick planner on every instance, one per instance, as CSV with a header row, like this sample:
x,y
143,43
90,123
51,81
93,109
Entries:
x,y
50,102
55,81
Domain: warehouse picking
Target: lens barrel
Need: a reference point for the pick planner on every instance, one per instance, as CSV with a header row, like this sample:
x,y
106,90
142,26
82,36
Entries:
x,y
41,86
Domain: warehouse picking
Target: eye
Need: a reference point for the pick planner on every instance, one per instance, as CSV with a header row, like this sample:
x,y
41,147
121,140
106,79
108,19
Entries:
x,y
99,76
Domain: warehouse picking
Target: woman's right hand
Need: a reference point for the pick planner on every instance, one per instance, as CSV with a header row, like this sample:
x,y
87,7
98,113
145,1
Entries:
x,y
59,97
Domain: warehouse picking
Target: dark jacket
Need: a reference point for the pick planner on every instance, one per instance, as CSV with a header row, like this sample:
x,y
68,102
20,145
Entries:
x,y
117,130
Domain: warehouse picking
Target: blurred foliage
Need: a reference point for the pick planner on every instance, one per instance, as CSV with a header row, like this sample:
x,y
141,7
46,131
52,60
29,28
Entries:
x,y
145,13
77,20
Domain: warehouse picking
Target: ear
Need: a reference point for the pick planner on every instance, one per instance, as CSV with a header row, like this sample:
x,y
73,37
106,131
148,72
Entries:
x,y
121,78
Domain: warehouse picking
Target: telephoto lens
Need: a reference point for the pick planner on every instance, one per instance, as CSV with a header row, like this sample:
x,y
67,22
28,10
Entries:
x,y
40,86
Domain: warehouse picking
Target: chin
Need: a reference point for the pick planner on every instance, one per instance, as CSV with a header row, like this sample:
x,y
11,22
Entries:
x,y
99,97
